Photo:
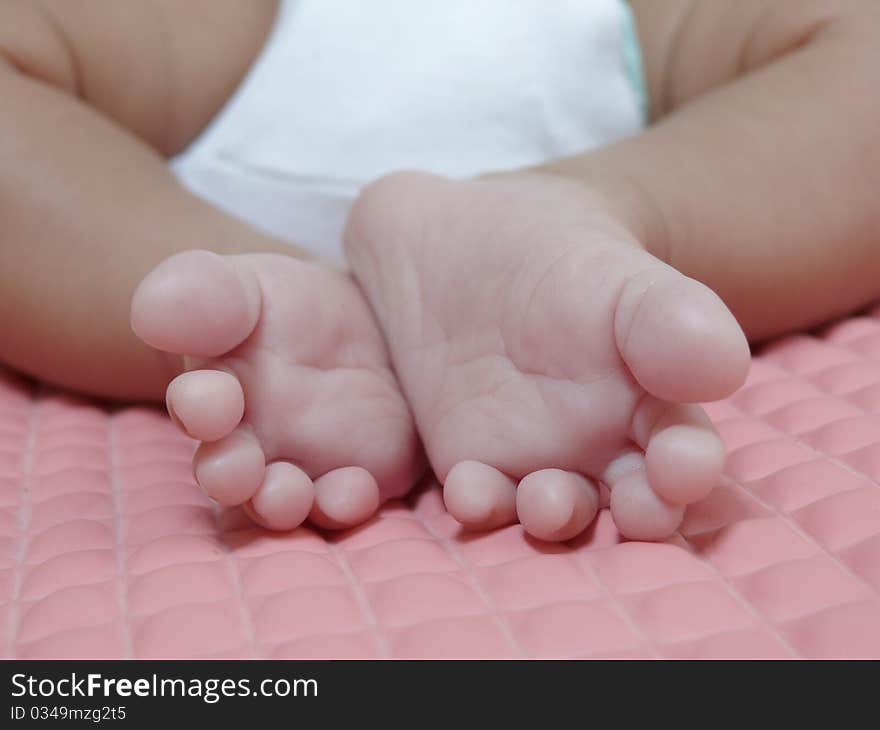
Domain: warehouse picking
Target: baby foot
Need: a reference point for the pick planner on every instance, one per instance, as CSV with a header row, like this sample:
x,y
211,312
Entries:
x,y
288,386
543,351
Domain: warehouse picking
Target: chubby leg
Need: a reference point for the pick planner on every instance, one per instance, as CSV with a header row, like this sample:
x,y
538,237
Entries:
x,y
758,175
92,102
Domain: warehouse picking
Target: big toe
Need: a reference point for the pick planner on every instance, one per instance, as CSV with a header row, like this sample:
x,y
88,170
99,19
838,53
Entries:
x,y
196,303
678,338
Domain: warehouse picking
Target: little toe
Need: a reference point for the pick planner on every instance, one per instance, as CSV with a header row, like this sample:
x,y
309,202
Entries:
x,y
555,505
206,404
345,498
684,455
231,469
284,499
638,511
479,496
677,337
196,303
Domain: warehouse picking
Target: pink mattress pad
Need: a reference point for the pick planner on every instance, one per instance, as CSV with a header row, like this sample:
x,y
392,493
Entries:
x,y
108,549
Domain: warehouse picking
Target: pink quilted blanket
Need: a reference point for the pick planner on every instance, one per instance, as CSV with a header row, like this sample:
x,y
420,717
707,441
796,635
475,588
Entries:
x,y
108,549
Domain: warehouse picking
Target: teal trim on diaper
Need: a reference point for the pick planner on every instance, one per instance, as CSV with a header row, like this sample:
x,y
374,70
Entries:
x,y
632,59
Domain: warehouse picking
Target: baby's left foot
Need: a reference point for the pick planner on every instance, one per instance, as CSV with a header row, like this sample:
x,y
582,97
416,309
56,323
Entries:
x,y
543,351
288,386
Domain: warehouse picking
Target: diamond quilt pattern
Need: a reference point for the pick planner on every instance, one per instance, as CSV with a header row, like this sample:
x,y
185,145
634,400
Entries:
x,y
108,549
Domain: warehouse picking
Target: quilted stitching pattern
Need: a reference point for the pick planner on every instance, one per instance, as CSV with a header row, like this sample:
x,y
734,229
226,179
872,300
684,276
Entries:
x,y
107,548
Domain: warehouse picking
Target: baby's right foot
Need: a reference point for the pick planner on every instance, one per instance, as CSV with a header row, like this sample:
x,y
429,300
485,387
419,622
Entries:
x,y
288,386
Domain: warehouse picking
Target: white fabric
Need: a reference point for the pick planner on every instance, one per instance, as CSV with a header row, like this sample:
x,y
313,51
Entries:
x,y
347,90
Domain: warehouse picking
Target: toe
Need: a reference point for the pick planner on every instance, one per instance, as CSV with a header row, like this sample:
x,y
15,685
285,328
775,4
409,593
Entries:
x,y
479,496
206,404
684,455
678,338
196,303
232,469
284,499
553,504
344,498
638,511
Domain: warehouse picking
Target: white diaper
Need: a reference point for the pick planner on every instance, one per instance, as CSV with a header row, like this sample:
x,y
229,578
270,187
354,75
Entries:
x,y
346,90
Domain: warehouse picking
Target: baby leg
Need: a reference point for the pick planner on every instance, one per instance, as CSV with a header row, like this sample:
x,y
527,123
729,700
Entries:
x,y
759,174
92,101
